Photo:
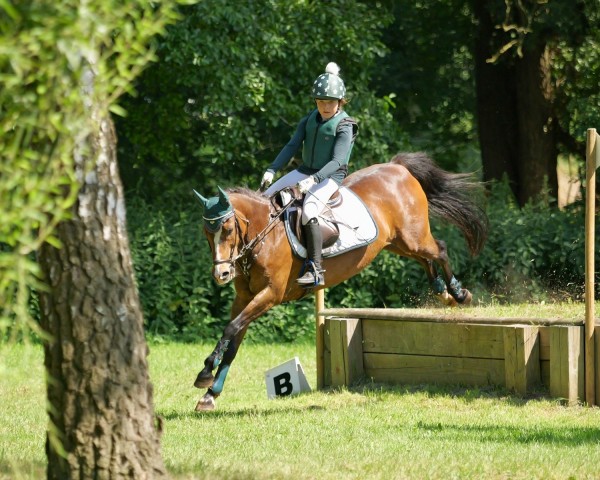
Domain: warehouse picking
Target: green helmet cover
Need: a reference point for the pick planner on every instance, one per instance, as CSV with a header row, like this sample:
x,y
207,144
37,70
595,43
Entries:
x,y
328,85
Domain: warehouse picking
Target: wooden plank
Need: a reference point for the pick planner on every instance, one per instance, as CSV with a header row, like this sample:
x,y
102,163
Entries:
x,y
414,315
544,343
354,361
419,369
385,336
567,379
545,373
521,357
346,351
326,355
545,356
338,375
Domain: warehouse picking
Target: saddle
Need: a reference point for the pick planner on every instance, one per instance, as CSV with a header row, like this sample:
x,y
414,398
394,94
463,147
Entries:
x,y
327,222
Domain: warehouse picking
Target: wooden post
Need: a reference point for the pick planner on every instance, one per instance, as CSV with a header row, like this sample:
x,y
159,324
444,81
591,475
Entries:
x,y
345,340
521,358
590,212
566,364
320,327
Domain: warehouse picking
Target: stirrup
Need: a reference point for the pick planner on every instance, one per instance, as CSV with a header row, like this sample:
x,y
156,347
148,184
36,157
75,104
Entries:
x,y
311,275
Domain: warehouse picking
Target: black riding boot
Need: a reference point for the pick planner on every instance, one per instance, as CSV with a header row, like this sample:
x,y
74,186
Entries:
x,y
313,273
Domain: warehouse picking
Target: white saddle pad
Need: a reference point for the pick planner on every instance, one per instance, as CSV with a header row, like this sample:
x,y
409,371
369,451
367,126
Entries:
x,y
357,227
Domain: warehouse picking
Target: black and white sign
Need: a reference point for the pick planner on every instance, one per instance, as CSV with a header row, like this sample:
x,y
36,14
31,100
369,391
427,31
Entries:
x,y
286,379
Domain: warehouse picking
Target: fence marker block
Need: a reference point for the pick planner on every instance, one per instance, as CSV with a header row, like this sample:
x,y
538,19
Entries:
x,y
286,379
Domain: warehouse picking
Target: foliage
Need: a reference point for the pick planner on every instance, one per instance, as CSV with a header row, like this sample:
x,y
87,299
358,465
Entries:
x,y
233,79
232,83
429,71
46,47
535,253
571,31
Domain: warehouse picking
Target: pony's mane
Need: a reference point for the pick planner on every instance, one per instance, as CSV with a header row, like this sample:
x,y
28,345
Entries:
x,y
248,193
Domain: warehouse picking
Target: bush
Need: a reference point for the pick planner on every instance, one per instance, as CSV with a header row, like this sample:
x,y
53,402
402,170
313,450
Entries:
x,y
532,254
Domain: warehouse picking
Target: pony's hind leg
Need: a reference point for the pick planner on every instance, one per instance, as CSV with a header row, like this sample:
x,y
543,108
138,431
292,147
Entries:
x,y
431,253
437,283
461,295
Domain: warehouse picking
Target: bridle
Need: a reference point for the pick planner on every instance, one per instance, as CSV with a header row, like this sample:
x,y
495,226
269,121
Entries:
x,y
243,258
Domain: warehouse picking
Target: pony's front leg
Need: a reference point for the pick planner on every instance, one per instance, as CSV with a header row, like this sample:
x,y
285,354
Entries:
x,y
243,313
215,384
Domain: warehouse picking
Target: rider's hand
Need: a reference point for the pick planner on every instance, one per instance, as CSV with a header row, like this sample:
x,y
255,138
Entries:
x,y
266,180
305,185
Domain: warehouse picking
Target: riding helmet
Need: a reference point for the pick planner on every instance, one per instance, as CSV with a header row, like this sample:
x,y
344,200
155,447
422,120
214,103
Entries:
x,y
328,85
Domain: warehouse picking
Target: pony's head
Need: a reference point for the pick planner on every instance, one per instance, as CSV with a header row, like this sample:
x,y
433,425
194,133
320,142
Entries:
x,y
222,232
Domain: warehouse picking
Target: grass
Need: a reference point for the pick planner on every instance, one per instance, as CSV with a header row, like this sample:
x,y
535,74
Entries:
x,y
371,431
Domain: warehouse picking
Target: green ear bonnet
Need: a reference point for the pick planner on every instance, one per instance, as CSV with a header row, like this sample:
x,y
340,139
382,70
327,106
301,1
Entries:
x,y
216,210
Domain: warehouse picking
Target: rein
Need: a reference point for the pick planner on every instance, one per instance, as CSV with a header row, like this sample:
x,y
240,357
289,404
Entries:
x,y
249,246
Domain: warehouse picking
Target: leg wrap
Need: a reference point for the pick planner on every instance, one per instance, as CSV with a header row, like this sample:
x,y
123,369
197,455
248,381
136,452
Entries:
x,y
217,386
219,352
438,285
457,291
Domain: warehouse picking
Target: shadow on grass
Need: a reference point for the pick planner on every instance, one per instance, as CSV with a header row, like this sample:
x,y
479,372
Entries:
x,y
241,413
16,470
563,436
569,436
466,393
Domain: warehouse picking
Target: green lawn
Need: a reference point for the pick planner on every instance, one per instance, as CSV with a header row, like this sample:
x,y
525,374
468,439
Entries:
x,y
372,431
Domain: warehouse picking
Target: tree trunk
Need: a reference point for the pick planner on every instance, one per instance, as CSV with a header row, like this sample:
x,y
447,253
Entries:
x,y
100,396
496,105
537,156
514,111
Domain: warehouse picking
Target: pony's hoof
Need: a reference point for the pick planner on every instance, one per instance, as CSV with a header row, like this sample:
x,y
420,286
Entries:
x,y
206,404
466,297
203,380
446,299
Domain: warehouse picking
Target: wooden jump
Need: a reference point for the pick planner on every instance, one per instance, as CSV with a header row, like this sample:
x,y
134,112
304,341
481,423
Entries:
x,y
401,346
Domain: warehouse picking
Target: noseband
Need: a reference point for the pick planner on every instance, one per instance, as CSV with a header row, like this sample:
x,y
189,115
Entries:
x,y
232,260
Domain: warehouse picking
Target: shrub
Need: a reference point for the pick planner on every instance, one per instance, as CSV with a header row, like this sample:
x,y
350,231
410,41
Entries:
x,y
532,254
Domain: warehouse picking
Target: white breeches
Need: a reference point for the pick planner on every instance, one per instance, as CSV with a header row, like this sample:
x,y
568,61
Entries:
x,y
316,198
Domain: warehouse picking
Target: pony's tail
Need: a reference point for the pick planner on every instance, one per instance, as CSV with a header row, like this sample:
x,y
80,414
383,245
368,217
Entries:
x,y
451,196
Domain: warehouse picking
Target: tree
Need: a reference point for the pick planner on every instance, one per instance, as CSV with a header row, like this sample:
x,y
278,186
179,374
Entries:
x,y
428,71
96,359
64,65
232,82
520,119
515,80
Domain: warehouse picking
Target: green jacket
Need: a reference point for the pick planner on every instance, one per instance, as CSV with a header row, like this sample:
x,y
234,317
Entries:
x,y
326,146
318,142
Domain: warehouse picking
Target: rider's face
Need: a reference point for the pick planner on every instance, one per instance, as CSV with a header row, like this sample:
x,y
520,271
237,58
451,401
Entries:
x,y
327,108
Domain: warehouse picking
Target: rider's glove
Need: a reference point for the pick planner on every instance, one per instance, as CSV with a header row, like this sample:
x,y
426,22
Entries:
x,y
266,180
305,185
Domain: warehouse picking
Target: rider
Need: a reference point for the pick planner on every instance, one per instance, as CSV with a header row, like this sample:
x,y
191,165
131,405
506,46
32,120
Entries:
x,y
326,136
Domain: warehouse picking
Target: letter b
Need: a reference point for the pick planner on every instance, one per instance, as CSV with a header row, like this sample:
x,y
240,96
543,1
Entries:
x,y
283,385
